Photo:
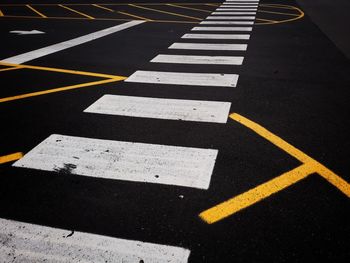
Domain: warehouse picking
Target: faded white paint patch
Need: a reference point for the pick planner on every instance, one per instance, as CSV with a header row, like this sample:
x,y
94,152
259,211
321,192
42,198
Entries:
x,y
205,60
170,109
24,242
209,46
182,78
129,161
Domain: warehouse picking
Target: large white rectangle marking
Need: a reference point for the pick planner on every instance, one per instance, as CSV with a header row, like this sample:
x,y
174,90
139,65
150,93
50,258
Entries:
x,y
129,161
169,109
233,13
19,59
227,23
24,242
205,60
217,36
236,9
181,78
214,28
231,17
208,46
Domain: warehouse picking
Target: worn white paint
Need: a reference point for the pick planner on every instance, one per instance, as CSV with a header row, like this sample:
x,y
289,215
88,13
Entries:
x,y
227,23
239,5
231,17
233,13
235,9
209,46
204,60
217,36
24,242
117,160
216,28
27,32
157,108
25,57
182,78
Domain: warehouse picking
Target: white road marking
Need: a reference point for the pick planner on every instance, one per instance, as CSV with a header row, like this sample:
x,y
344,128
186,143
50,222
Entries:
x,y
205,60
128,161
211,28
231,17
227,23
230,1
27,32
238,6
233,13
25,57
216,36
181,78
209,46
24,242
169,109
236,9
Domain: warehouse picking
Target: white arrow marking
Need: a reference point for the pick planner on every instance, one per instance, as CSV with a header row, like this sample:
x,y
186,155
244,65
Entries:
x,y
23,32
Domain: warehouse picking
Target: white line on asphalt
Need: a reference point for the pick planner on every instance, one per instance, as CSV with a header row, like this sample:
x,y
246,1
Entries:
x,y
182,78
233,13
24,242
128,161
205,60
25,57
216,36
236,9
209,46
211,28
238,6
231,17
156,108
227,23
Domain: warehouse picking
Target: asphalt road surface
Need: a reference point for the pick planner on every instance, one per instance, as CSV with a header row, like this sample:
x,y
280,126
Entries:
x,y
172,131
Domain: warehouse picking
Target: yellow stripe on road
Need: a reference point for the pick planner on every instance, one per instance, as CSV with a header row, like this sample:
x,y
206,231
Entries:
x,y
11,157
190,8
255,195
1,13
102,7
75,11
11,68
134,16
36,11
38,93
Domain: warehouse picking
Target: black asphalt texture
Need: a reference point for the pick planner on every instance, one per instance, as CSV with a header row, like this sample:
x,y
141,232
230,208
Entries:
x,y
294,82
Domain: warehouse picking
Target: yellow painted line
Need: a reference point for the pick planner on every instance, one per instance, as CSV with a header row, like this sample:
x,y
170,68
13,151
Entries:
x,y
255,195
36,11
212,4
327,174
1,13
44,92
77,72
11,68
102,7
135,16
75,11
164,12
11,157
266,20
190,8
279,6
279,13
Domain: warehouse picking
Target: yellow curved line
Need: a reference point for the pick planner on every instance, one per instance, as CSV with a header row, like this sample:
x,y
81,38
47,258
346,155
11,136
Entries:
x,y
301,15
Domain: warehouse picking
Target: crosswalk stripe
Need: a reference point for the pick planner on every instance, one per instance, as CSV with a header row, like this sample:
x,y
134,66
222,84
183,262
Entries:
x,y
216,36
231,17
227,23
233,13
24,242
236,9
128,161
182,78
205,60
169,109
238,6
210,28
209,46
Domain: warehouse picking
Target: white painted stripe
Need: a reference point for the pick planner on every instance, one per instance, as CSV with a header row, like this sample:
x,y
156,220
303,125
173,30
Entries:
x,y
25,57
242,1
217,36
129,161
227,23
210,28
205,60
169,109
236,9
239,6
181,78
209,46
24,242
233,13
231,17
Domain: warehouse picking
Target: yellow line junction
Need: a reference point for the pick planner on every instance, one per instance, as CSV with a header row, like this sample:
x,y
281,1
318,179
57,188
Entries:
x,y
309,166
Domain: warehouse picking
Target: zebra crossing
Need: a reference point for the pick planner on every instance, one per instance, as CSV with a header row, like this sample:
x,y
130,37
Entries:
x,y
153,163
